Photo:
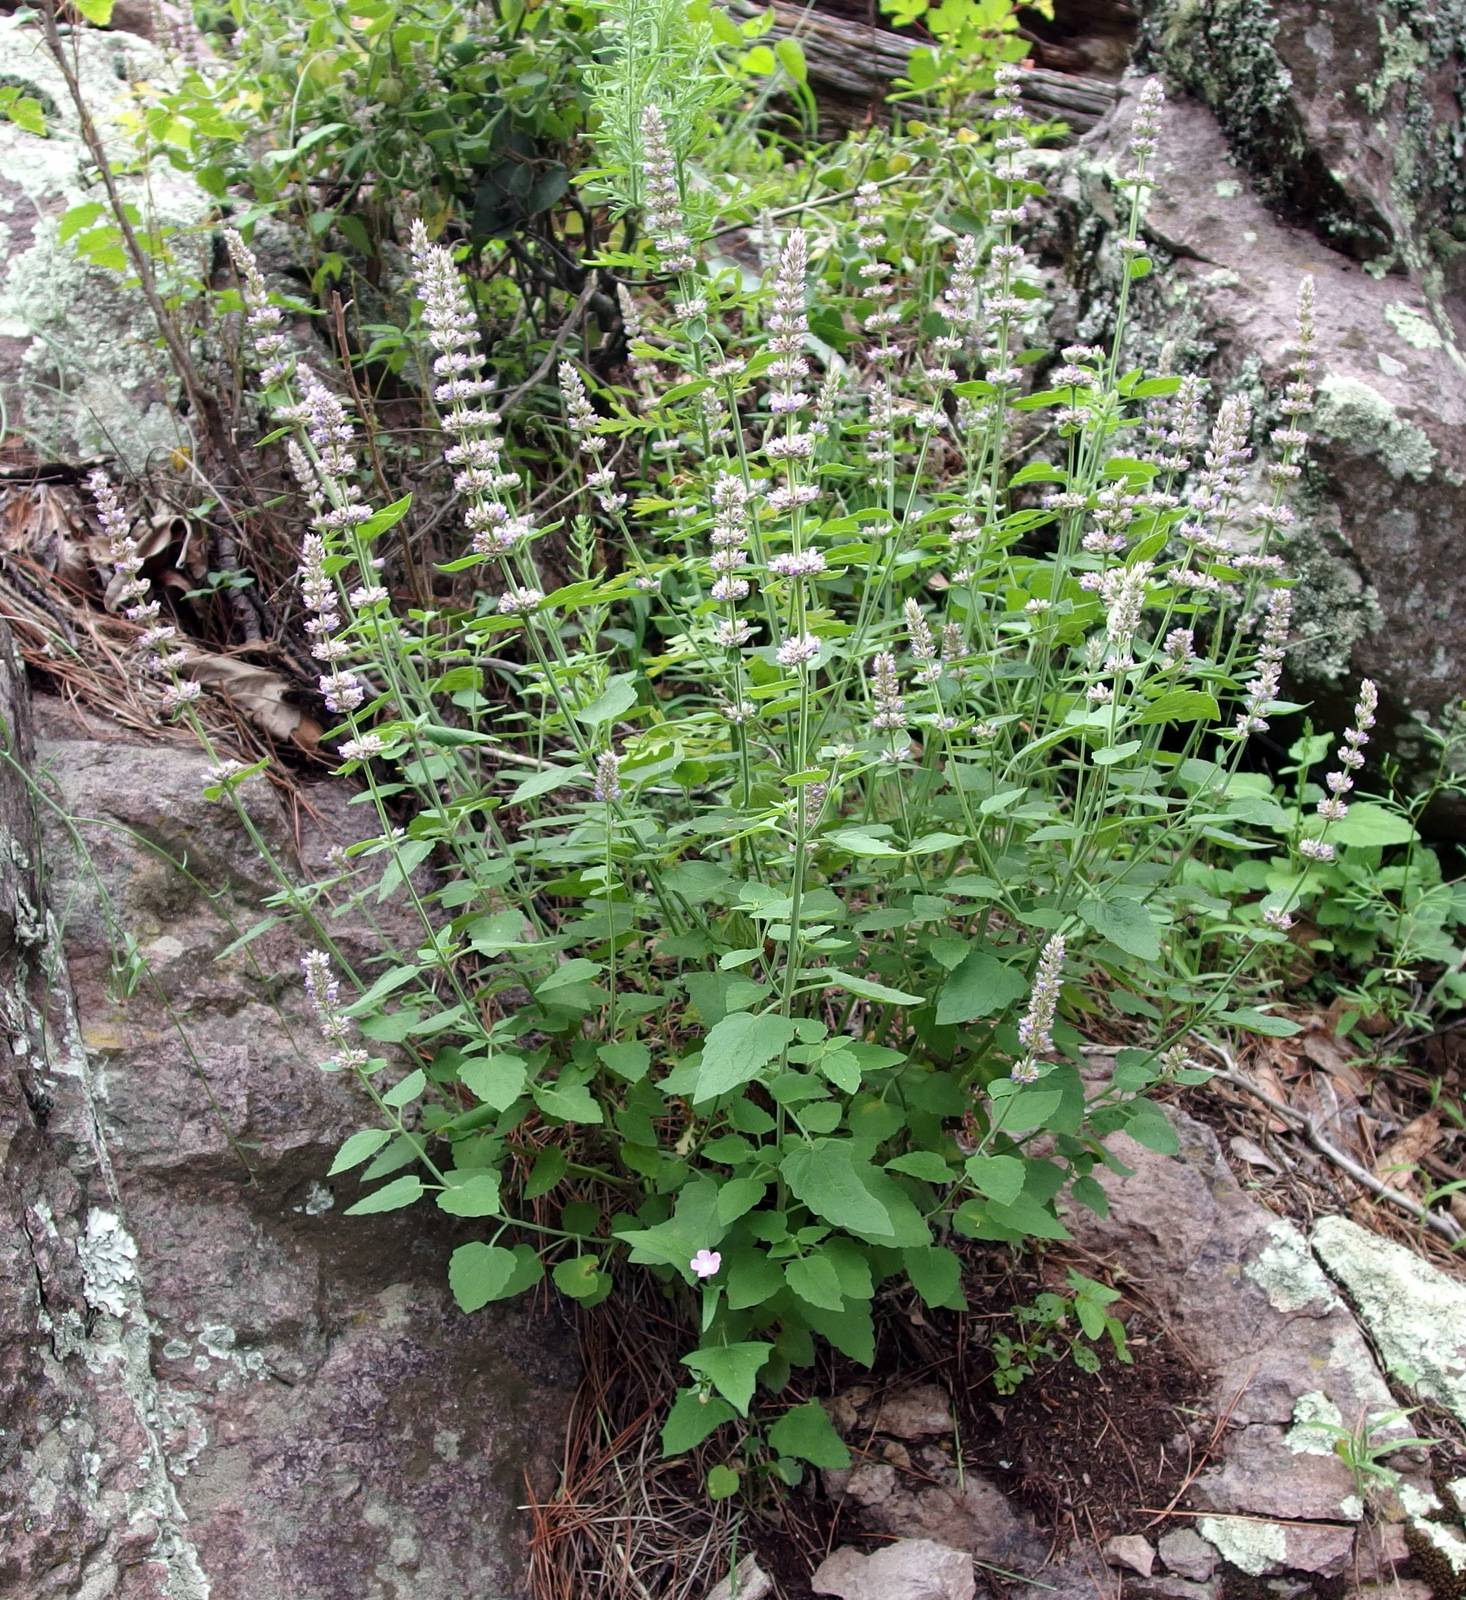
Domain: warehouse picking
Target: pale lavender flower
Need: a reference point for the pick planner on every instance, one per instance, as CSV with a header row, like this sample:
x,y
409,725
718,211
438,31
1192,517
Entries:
x,y
271,346
798,650
519,601
158,644
922,644
1276,917
1316,849
890,712
798,564
1334,807
706,1263
335,1026
608,777
729,537
1180,647
1124,591
1035,1031
666,224
1262,689
362,748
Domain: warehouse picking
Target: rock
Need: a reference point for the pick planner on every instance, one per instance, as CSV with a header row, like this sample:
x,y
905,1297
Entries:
x,y
1187,1554
228,1366
923,1411
1416,1316
1346,116
80,376
1384,489
910,1569
1130,1550
1246,1299
747,1581
911,1487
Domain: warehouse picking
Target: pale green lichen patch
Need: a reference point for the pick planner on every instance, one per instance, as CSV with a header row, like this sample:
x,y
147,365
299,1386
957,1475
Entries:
x,y
1251,1546
1353,413
1415,1316
1315,1417
1413,326
1288,1274
1423,1509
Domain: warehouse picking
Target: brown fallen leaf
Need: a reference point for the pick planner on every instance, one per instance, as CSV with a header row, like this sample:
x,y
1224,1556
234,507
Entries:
x,y
1400,1159
259,693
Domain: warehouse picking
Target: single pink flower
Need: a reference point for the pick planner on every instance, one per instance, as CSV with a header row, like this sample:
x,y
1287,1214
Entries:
x,y
705,1263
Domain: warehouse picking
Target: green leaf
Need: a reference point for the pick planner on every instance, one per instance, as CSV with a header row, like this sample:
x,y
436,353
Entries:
x,y
1125,923
736,1049
808,1433
739,1196
1026,1110
1181,705
936,1274
615,700
97,12
791,57
404,1093
580,1277
1000,1178
629,1060
923,1164
830,1180
692,1418
357,1148
568,973
496,1080
390,1197
815,1280
538,783
722,1482
980,986
867,989
388,517
549,1167
732,1369
478,1273
1147,1124
79,217
476,1196
1371,825
856,843
569,1102
1251,1020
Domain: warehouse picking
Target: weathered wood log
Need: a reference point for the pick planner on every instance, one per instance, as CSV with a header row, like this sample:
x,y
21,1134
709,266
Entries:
x,y
853,65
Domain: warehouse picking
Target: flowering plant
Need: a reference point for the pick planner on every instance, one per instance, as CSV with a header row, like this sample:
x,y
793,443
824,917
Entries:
x,y
766,869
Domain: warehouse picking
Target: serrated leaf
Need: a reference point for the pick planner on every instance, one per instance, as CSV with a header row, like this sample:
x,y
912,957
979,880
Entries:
x,y
357,1149
737,1049
936,1274
692,1418
496,1080
807,1432
980,986
732,1369
476,1196
390,1197
478,1273
815,1281
1000,1178
832,1182
1125,923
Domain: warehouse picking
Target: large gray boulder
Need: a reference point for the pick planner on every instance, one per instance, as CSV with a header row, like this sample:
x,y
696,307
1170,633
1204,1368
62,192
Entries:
x,y
211,1382
83,375
1235,227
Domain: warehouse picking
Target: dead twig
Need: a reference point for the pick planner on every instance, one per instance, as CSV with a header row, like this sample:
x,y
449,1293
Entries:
x,y
1440,1222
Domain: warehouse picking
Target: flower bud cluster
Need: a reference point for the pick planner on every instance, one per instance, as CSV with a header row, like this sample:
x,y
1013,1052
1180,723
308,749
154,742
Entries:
x,y
583,424
158,644
1262,689
1036,1028
336,1027
1334,807
665,222
271,346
